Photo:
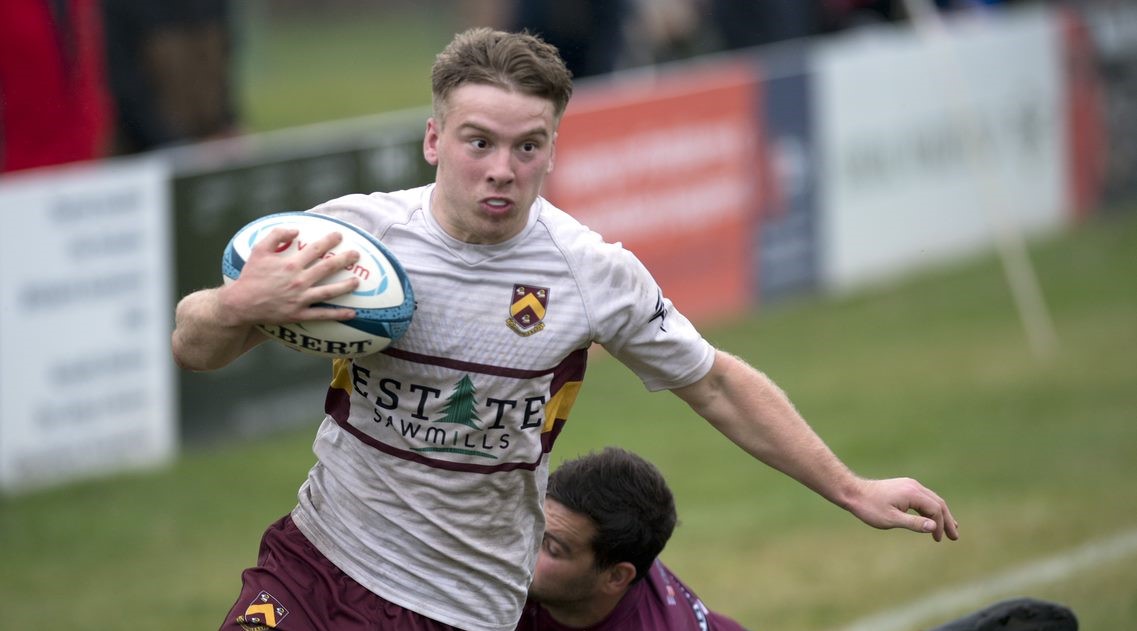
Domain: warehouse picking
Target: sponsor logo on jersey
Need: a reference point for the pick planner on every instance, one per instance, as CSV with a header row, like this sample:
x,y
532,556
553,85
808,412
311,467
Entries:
x,y
265,612
527,311
461,424
466,424
462,409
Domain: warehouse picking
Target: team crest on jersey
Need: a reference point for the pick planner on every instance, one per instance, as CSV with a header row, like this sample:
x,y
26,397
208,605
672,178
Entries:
x,y
527,311
265,612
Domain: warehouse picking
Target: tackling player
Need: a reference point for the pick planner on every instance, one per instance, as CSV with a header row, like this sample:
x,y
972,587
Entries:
x,y
609,516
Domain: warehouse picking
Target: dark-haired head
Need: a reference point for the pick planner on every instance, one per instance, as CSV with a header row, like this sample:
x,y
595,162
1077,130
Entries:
x,y
626,498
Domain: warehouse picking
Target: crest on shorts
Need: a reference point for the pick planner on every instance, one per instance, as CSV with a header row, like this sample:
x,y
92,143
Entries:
x,y
527,310
265,612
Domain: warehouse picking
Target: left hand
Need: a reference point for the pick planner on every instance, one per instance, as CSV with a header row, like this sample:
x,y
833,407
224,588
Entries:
x,y
904,503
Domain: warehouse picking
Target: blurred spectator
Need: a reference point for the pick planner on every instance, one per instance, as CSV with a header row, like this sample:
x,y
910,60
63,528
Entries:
x,y
170,66
54,107
496,14
744,23
588,33
664,30
844,14
950,5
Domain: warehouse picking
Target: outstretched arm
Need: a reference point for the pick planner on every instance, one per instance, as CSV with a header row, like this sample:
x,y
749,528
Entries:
x,y
212,327
754,413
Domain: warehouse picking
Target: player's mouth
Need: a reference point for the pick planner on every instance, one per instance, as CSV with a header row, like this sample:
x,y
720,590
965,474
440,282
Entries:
x,y
496,205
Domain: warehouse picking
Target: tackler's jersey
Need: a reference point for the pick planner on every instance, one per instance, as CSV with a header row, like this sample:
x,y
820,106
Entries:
x,y
432,460
659,602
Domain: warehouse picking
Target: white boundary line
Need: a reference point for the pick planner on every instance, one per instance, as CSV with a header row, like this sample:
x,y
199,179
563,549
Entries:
x,y
1051,569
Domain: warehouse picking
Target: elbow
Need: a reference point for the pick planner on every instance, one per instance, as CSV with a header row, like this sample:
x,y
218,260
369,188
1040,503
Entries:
x,y
195,355
183,362
184,359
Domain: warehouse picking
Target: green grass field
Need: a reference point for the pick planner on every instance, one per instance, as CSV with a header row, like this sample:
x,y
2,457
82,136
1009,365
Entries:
x,y
932,379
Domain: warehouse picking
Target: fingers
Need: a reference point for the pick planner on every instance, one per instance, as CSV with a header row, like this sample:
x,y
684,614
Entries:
x,y
318,293
945,523
905,503
281,239
277,241
311,252
328,264
325,313
324,293
284,278
930,517
934,516
315,261
951,526
926,519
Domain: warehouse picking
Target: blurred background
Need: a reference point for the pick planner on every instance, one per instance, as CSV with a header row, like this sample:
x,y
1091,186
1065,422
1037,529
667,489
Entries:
x,y
919,217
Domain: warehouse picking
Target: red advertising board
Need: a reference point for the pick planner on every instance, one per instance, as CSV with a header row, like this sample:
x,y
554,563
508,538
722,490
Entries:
x,y
669,166
1086,154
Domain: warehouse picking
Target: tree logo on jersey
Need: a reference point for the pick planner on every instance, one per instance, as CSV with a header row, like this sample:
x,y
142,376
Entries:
x,y
527,311
265,612
461,406
462,409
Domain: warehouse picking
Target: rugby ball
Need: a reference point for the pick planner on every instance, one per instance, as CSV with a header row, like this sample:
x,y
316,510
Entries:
x,y
384,301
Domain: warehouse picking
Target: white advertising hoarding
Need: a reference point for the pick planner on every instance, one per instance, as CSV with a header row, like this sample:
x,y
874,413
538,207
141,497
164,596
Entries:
x,y
933,141
86,379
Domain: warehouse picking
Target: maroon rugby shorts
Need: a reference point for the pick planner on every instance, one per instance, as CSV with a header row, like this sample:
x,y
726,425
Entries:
x,y
296,588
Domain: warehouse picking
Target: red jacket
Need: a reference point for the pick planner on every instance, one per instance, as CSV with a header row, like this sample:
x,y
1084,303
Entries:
x,y
54,102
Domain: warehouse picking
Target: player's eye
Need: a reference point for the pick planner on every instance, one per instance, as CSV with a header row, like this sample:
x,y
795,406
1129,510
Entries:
x,y
479,143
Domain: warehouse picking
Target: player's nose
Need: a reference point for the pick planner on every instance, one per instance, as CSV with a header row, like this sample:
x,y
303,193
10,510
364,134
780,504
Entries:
x,y
501,169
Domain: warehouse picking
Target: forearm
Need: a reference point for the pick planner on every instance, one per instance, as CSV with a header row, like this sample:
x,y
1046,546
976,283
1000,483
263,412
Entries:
x,y
754,413
206,336
212,327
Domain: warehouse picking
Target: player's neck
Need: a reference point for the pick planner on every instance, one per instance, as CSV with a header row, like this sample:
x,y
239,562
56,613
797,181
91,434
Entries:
x,y
581,615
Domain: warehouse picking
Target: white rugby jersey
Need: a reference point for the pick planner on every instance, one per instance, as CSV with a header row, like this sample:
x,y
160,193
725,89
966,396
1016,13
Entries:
x,y
432,460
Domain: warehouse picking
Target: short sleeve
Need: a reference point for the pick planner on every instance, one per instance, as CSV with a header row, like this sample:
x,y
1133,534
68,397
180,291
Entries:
x,y
638,325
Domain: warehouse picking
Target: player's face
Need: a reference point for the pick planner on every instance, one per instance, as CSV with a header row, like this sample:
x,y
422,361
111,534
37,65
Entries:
x,y
565,575
492,149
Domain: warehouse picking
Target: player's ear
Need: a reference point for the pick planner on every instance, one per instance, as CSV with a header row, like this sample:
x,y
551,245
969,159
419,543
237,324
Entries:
x,y
430,141
618,578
